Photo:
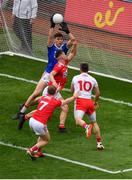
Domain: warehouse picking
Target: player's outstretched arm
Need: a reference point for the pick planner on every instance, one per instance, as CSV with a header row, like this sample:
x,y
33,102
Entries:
x,y
70,99
50,37
64,27
71,40
73,51
51,32
35,101
52,79
30,114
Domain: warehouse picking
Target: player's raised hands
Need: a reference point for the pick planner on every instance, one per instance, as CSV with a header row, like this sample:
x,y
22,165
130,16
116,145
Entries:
x,y
64,27
52,24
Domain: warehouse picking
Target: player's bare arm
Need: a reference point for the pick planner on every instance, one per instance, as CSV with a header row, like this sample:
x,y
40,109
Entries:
x,y
52,79
35,101
71,40
72,88
51,32
50,37
70,99
97,94
73,51
30,114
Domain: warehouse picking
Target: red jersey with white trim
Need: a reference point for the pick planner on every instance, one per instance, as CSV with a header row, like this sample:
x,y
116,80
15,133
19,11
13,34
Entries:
x,y
84,84
61,76
45,109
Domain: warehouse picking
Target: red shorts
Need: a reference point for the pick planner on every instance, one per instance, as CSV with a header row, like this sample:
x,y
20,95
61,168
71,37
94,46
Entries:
x,y
86,105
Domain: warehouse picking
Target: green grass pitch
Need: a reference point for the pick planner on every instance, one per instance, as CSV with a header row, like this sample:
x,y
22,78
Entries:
x,y
114,120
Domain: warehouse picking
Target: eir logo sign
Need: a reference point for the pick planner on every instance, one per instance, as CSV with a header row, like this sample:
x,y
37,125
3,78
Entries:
x,y
109,15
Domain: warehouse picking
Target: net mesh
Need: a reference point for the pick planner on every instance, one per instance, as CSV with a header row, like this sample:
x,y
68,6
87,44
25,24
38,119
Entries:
x,y
106,52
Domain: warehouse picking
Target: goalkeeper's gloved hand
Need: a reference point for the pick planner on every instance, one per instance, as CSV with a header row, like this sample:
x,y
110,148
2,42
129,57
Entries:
x,y
52,24
64,27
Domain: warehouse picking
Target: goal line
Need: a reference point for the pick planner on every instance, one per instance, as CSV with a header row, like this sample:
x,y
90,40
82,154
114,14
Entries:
x,y
71,67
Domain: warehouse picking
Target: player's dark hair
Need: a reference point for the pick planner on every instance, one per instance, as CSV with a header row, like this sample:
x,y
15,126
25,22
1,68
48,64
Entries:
x,y
58,34
84,67
58,53
51,90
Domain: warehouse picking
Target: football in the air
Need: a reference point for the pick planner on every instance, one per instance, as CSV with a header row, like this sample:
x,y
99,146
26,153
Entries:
x,y
57,18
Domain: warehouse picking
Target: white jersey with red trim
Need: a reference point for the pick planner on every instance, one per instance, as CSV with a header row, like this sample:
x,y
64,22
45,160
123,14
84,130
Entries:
x,y
84,84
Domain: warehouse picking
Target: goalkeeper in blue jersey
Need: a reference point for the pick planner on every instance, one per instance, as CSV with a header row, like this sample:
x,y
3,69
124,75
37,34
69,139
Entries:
x,y
55,42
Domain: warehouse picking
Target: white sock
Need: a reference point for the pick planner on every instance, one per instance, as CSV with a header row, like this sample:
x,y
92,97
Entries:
x,y
24,108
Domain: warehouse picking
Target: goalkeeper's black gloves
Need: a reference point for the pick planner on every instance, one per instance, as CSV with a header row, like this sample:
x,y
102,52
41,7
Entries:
x,y
64,27
52,24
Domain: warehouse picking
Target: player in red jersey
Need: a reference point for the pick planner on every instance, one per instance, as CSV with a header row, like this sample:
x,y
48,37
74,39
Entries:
x,y
38,121
84,84
58,78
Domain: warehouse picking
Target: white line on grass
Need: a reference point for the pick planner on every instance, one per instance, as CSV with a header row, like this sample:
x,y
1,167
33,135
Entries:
x,y
35,82
68,160
58,157
71,67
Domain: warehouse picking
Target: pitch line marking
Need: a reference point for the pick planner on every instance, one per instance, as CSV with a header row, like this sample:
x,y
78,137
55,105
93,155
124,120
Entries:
x,y
35,82
68,160
71,67
58,157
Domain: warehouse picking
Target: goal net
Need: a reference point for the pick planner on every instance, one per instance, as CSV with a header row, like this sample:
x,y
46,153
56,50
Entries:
x,y
103,32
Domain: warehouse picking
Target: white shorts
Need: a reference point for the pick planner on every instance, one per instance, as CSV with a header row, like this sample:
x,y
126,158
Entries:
x,y
80,114
57,95
45,77
37,127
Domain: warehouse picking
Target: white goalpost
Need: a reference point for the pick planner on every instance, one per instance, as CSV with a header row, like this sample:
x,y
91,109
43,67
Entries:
x,y
108,54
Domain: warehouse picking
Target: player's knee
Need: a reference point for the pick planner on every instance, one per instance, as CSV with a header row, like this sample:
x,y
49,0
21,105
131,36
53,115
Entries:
x,y
46,138
65,108
77,121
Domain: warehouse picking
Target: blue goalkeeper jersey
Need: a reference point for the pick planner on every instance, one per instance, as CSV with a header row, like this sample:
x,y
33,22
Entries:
x,y
51,55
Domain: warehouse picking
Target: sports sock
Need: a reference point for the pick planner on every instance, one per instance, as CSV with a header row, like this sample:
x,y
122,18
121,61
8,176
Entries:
x,y
62,126
34,148
39,149
24,108
98,139
85,126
